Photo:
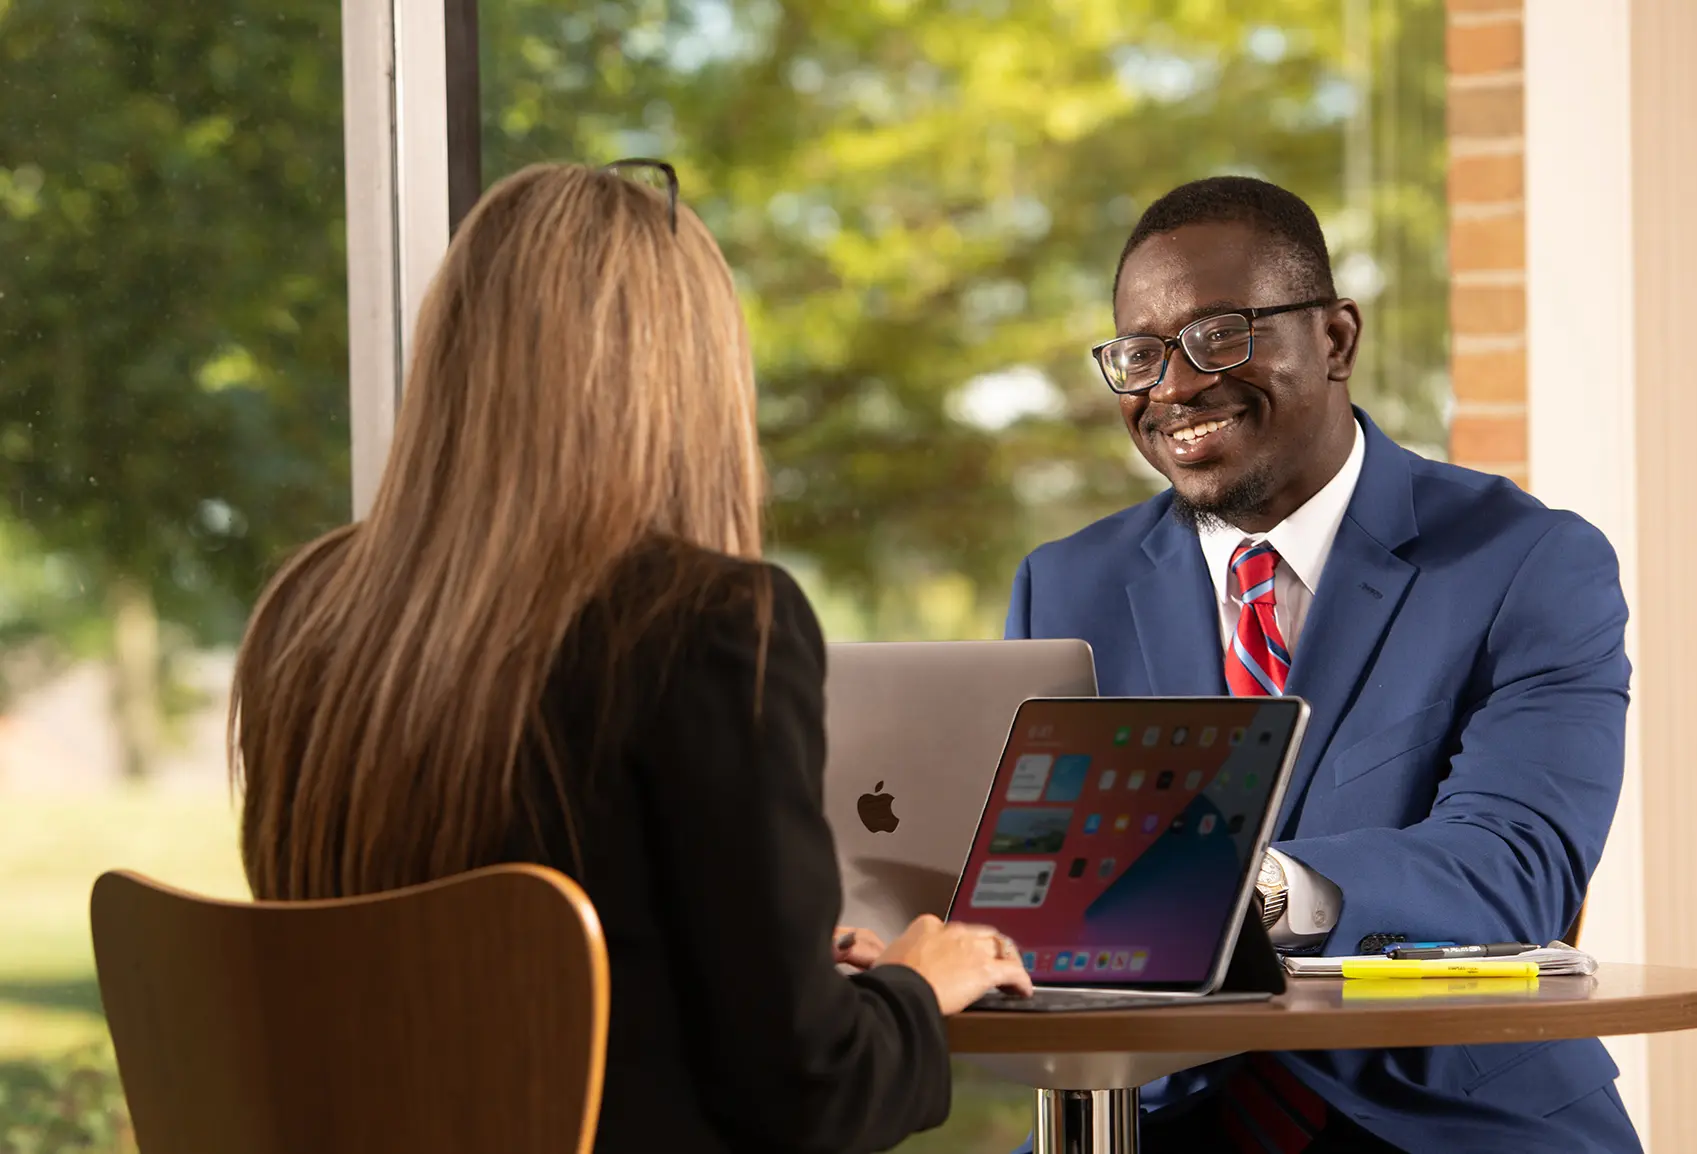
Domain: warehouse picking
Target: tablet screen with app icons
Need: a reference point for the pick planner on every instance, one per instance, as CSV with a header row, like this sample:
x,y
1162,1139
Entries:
x,y
1120,833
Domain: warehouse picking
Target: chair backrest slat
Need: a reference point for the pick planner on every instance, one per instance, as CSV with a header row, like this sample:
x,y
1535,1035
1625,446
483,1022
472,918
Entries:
x,y
464,1016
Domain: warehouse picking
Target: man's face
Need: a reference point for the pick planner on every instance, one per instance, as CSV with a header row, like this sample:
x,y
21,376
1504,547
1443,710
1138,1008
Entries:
x,y
1254,443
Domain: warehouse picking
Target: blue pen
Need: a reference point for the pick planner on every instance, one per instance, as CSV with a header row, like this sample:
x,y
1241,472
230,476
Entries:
x,y
1393,947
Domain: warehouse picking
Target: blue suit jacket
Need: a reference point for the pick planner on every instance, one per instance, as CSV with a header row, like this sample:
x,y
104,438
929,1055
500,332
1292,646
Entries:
x,y
1464,659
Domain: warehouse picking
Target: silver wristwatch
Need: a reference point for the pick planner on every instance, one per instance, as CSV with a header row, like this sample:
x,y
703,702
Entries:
x,y
1275,890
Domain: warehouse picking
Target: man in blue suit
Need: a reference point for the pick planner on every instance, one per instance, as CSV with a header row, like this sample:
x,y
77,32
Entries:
x,y
1461,646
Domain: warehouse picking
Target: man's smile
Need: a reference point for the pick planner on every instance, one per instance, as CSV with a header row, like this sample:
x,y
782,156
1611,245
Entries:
x,y
1199,429
1194,439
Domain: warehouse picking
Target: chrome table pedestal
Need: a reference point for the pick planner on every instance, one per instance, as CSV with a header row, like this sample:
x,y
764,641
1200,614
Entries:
x,y
1085,1122
1087,1103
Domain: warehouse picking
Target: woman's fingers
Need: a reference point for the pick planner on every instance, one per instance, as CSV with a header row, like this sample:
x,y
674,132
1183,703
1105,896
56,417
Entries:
x,y
856,947
1013,978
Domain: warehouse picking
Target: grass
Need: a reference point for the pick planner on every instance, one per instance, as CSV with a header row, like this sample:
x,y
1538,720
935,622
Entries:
x,y
52,847
58,1092
989,1117
69,1103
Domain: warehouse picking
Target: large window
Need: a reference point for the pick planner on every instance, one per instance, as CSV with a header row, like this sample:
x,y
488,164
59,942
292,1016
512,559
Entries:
x,y
173,418
924,202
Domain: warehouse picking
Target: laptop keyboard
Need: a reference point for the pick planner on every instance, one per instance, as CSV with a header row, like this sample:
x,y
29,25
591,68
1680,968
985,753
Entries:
x,y
1060,1001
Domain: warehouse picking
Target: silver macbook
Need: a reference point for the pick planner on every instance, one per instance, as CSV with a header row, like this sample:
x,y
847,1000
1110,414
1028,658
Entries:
x,y
914,731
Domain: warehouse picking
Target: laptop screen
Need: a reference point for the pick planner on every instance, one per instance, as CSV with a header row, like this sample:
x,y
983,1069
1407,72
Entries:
x,y
1120,832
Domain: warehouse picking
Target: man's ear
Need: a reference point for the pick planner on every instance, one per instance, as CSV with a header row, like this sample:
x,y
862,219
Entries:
x,y
1343,339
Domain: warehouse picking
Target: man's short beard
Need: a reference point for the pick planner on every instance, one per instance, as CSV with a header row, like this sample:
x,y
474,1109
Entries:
x,y
1244,499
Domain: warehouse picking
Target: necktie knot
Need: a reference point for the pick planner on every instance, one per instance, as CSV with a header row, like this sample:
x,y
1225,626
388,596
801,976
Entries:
x,y
1257,661
1254,565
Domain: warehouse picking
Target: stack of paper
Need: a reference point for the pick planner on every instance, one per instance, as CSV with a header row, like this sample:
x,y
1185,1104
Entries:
x,y
1554,960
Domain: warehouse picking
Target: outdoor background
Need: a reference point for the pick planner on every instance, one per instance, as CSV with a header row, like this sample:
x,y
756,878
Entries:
x,y
923,201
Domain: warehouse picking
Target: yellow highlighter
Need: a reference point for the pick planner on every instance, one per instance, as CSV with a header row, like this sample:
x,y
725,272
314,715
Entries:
x,y
1440,989
1391,968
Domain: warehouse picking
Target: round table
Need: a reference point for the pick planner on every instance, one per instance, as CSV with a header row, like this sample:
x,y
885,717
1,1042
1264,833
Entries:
x,y
1087,1066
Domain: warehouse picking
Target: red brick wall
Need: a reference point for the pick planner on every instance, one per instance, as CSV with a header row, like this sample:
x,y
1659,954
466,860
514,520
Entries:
x,y
1487,247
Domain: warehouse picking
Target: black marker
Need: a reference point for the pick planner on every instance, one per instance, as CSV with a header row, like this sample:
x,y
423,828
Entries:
x,y
1444,953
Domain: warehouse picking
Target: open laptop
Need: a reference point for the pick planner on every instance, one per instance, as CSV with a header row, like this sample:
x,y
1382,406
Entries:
x,y
913,731
1121,841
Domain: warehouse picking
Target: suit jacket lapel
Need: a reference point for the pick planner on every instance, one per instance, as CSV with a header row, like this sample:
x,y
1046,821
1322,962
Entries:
x,y
1361,589
1177,619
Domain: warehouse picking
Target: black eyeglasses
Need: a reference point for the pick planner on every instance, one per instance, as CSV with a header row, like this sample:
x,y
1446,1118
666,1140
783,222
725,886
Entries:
x,y
1136,363
656,174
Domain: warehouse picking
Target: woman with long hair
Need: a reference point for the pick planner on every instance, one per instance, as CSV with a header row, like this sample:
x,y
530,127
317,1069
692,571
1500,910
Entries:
x,y
552,640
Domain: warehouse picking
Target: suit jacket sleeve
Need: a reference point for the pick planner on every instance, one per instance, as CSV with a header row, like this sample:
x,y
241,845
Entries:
x,y
790,1054
1518,825
1019,605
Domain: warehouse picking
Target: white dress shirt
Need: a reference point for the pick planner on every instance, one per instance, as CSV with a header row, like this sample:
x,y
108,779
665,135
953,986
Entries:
x,y
1303,541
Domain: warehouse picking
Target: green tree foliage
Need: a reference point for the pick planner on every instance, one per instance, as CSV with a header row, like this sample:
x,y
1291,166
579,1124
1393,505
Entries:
x,y
173,351
925,201
173,333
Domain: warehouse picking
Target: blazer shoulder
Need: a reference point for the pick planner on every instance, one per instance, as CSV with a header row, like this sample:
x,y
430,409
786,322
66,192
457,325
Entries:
x,y
670,606
1116,531
1450,499
739,601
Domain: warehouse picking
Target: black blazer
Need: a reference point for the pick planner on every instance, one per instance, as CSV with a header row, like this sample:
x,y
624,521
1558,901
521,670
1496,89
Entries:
x,y
705,850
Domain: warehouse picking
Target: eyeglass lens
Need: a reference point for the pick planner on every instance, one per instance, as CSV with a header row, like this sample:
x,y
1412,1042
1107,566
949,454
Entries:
x,y
1213,344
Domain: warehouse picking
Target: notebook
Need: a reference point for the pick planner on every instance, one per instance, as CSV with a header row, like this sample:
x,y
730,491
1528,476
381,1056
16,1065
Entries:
x,y
1554,960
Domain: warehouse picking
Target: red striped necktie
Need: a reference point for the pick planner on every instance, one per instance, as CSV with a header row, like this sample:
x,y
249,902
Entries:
x,y
1266,1110
1257,661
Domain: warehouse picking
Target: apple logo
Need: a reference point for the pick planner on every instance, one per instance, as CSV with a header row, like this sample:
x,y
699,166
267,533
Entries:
x,y
876,813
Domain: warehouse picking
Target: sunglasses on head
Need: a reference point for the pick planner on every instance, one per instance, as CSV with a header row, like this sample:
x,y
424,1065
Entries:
x,y
656,174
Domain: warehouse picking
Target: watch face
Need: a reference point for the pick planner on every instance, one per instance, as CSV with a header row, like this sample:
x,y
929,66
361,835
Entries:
x,y
1272,874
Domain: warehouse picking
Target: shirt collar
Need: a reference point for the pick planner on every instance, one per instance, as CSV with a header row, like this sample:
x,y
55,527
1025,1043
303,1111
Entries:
x,y
1303,539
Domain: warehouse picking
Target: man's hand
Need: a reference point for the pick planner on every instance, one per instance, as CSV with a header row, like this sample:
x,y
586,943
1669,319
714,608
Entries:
x,y
857,948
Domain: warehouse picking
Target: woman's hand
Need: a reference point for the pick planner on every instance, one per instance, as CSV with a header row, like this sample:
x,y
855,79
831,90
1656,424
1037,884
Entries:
x,y
962,962
857,948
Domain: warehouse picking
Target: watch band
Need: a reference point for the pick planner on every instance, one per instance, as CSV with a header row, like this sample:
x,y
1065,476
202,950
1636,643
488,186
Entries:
x,y
1274,888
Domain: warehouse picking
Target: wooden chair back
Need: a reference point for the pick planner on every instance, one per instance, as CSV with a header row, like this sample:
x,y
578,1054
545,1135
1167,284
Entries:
x,y
1572,935
466,1016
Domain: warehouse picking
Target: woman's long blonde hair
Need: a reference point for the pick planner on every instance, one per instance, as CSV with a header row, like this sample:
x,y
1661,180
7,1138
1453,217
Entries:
x,y
581,382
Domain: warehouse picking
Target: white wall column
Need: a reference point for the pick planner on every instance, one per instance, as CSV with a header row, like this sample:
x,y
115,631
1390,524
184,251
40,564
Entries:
x,y
1611,245
1664,249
